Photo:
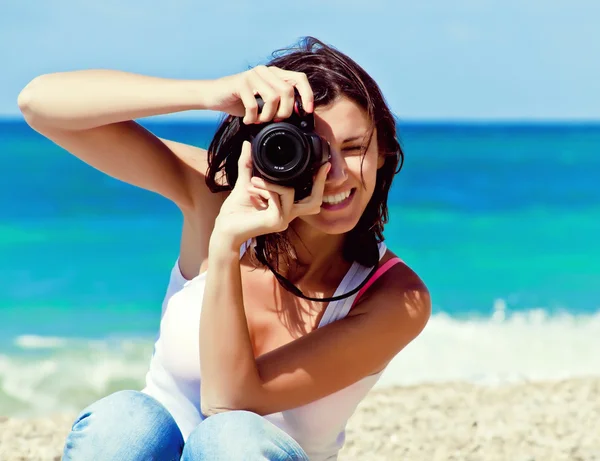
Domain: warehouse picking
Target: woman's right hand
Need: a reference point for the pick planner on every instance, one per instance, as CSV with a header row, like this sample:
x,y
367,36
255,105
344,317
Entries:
x,y
235,94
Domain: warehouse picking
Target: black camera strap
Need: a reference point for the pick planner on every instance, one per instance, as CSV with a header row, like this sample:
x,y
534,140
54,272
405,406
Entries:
x,y
289,286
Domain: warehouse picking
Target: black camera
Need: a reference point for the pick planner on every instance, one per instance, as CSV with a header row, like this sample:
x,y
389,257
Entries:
x,y
288,153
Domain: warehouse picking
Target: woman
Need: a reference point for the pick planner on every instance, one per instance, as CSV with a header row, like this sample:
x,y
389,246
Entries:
x,y
282,370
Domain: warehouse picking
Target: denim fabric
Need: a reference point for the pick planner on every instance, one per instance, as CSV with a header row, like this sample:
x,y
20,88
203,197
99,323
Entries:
x,y
132,426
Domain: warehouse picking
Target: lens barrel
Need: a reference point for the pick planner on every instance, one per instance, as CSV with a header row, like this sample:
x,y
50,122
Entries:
x,y
288,153
280,152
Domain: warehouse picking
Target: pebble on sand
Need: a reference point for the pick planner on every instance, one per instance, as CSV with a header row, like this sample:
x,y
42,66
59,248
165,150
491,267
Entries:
x,y
545,421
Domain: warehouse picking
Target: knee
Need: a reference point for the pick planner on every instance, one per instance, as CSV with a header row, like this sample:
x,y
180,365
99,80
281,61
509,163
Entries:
x,y
240,435
127,410
121,424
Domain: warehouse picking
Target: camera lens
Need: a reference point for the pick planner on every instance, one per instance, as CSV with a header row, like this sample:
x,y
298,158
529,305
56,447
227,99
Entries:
x,y
279,150
281,153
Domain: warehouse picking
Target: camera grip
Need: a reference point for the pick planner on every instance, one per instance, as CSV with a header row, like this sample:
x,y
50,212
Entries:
x,y
260,103
298,107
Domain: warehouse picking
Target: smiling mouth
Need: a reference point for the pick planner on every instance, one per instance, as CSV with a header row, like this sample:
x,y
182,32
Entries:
x,y
339,200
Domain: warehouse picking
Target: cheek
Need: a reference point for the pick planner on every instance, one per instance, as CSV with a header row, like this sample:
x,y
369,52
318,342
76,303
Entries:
x,y
368,168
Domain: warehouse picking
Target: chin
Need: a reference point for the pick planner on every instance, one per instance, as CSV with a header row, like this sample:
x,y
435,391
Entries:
x,y
331,226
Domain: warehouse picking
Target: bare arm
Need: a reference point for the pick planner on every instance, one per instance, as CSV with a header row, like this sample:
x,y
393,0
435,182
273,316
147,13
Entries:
x,y
90,113
86,99
392,314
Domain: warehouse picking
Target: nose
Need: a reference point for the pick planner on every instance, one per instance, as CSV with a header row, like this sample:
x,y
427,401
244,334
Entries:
x,y
338,173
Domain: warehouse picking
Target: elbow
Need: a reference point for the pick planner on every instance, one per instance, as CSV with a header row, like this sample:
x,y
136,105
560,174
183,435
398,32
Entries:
x,y
211,410
239,393
26,101
210,407
29,100
213,406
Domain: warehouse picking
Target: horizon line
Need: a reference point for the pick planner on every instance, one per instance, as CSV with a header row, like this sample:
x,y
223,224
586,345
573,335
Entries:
x,y
169,119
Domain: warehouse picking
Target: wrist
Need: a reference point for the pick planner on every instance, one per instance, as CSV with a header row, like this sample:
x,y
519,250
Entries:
x,y
224,240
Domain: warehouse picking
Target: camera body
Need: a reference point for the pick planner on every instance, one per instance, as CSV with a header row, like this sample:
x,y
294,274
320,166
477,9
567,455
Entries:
x,y
288,153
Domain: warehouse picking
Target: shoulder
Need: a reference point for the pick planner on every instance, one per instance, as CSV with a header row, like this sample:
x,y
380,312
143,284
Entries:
x,y
397,295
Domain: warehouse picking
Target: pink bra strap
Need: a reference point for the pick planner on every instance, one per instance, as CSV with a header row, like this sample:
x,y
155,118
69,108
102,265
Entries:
x,y
378,273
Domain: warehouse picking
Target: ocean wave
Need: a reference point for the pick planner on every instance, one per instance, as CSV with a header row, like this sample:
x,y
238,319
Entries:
x,y
40,342
505,347
48,375
42,375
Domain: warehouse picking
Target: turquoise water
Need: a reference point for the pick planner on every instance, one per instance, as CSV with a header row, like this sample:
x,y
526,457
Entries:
x,y
501,221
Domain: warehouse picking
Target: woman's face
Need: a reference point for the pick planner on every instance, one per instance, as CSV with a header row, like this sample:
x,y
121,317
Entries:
x,y
346,127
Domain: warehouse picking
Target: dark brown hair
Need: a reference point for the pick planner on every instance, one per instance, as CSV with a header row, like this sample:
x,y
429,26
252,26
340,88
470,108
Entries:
x,y
331,74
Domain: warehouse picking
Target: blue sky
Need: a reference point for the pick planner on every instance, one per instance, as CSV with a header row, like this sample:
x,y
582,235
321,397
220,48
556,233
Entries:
x,y
466,59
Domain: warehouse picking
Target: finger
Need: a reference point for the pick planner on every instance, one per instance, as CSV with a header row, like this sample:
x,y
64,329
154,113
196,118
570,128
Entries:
x,y
245,164
256,191
321,178
286,194
300,81
287,204
250,104
268,95
318,184
261,183
259,203
258,197
283,88
267,196
312,203
277,220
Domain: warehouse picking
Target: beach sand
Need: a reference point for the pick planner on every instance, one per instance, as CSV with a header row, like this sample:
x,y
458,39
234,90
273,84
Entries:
x,y
546,421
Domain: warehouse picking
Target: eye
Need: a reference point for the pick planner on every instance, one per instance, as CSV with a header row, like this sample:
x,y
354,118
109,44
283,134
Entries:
x,y
352,149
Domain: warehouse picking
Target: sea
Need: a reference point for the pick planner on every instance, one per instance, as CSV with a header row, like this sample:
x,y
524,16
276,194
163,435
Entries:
x,y
501,221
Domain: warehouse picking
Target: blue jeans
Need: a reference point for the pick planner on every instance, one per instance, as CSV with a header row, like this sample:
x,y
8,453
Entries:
x,y
132,426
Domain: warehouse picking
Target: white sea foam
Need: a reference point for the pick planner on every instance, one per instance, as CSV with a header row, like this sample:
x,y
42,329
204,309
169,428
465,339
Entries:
x,y
39,342
505,347
59,374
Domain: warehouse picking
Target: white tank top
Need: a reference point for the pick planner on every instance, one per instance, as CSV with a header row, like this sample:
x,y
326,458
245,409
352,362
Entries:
x,y
174,374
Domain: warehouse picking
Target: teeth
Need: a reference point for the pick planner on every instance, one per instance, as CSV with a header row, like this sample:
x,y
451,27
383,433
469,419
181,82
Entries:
x,y
337,198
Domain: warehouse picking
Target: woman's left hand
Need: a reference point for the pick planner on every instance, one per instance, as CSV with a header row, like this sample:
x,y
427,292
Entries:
x,y
257,207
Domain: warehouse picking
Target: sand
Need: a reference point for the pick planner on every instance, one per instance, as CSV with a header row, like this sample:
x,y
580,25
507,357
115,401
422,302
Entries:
x,y
549,421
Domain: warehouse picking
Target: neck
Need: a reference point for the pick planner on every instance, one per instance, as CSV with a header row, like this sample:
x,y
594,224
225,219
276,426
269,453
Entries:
x,y
317,253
